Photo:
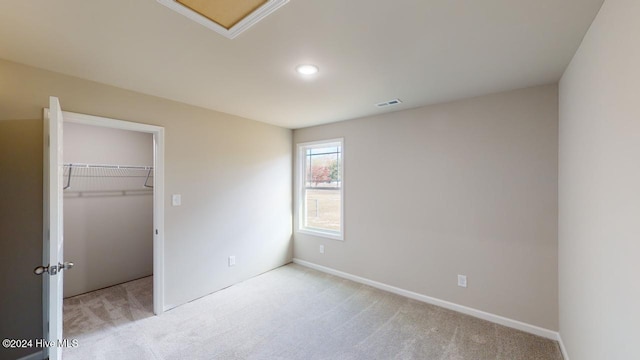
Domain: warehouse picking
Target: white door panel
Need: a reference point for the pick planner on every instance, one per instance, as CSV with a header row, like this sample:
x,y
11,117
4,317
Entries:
x,y
53,258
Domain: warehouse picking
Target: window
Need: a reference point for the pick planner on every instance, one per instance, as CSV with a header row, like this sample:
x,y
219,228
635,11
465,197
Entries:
x,y
321,186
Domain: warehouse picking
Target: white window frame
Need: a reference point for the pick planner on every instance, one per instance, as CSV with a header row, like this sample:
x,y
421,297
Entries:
x,y
335,235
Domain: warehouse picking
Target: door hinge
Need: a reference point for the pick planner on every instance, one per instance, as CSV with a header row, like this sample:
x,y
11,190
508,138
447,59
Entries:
x,y
156,231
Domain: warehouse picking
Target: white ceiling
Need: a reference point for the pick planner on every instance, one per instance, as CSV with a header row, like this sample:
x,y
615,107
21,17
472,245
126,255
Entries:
x,y
421,51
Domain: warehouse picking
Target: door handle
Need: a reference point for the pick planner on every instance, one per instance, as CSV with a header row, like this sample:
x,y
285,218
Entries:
x,y
52,270
67,265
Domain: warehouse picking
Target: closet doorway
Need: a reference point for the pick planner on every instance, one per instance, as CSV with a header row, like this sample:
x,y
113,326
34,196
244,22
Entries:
x,y
113,210
53,258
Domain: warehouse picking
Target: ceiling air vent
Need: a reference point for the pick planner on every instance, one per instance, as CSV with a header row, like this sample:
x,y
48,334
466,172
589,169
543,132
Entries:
x,y
389,103
226,17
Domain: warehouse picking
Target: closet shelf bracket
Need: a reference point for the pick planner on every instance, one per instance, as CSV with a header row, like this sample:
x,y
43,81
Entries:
x,y
68,178
147,180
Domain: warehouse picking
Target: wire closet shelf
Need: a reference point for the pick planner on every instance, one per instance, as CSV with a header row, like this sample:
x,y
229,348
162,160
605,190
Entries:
x,y
103,177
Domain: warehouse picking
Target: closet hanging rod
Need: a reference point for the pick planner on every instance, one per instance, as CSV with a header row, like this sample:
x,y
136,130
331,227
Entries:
x,y
114,167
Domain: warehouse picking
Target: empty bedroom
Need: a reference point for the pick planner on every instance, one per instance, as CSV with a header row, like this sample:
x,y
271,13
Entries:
x,y
300,179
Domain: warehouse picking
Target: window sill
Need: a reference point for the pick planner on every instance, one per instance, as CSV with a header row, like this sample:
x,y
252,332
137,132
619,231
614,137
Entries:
x,y
324,234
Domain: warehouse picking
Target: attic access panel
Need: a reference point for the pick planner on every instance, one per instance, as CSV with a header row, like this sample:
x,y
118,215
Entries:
x,y
226,17
225,13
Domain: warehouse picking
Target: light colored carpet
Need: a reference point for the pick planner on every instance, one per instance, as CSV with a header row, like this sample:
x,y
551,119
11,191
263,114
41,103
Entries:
x,y
289,313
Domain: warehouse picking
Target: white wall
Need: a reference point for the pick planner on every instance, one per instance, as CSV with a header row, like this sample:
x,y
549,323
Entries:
x,y
108,233
599,212
468,187
234,175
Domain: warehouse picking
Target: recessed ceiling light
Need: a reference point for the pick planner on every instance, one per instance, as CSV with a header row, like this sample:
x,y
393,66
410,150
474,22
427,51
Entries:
x,y
307,69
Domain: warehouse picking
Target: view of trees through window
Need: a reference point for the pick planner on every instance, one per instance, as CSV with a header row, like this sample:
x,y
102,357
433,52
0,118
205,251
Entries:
x,y
323,187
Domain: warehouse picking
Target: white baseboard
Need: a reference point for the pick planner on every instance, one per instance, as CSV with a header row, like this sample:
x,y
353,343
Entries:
x,y
519,325
565,354
35,356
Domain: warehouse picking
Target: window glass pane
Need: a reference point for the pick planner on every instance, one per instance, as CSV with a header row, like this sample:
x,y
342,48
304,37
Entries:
x,y
322,187
323,209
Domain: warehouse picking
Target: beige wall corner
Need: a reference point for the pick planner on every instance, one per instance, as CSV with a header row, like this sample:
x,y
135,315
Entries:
x,y
599,201
467,187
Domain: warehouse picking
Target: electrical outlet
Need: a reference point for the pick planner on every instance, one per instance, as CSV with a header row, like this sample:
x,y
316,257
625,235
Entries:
x,y
176,200
321,249
232,261
462,281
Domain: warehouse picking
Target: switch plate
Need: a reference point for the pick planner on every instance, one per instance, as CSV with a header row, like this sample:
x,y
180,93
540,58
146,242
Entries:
x,y
321,249
232,261
462,281
176,200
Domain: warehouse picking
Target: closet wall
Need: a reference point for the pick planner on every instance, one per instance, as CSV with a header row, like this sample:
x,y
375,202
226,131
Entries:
x,y
108,214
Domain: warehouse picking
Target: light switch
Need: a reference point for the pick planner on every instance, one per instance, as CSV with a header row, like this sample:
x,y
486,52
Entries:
x,y
176,199
462,281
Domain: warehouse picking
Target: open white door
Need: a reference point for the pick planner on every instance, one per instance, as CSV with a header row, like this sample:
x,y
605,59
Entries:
x,y
53,260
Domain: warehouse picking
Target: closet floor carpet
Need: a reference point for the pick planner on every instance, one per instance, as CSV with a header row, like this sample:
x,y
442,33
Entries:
x,y
291,312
